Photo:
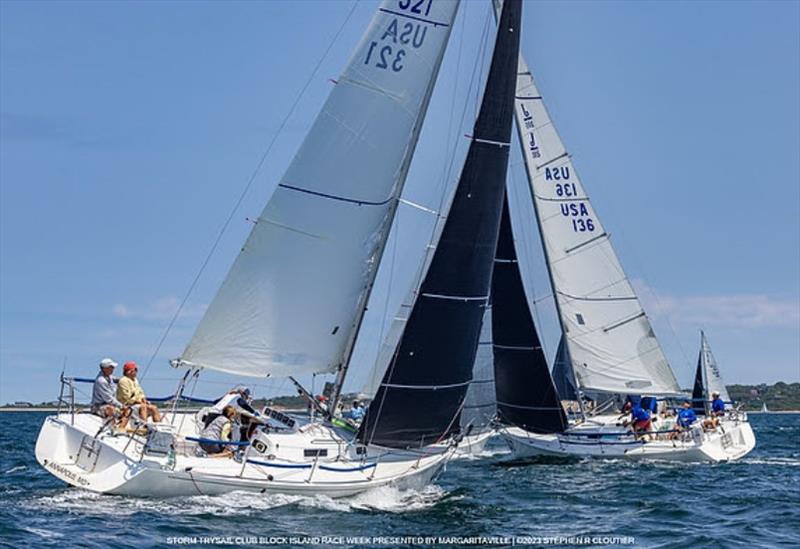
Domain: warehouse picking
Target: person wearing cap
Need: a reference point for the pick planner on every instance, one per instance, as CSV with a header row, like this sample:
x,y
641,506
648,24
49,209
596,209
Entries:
x,y
104,401
239,399
717,405
130,393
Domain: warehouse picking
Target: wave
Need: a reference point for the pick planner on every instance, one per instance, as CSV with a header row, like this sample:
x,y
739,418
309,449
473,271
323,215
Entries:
x,y
789,462
15,469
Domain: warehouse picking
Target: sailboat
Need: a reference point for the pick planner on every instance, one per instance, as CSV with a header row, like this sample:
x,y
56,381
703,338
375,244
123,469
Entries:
x,y
293,301
764,409
608,345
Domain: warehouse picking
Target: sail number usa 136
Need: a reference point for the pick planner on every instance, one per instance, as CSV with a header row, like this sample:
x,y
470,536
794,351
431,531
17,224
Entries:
x,y
389,52
577,212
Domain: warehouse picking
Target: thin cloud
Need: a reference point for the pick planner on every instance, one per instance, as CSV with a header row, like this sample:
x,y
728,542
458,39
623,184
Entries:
x,y
161,309
739,310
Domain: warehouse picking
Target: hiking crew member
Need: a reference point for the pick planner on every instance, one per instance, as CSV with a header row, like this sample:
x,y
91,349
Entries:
x,y
686,416
130,393
104,400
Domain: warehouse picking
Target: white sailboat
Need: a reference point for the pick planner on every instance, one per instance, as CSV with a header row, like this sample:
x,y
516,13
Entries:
x,y
294,299
609,346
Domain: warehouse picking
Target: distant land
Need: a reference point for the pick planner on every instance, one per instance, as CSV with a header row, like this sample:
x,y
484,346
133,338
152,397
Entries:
x,y
779,397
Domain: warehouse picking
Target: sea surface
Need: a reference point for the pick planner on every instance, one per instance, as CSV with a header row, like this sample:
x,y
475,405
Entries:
x,y
754,502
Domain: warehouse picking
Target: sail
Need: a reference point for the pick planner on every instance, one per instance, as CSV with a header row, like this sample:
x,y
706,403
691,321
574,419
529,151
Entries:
x,y
713,378
422,392
609,338
562,373
295,295
480,406
526,395
699,397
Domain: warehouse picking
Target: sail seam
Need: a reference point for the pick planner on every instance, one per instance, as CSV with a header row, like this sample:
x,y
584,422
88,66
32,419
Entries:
x,y
559,157
576,298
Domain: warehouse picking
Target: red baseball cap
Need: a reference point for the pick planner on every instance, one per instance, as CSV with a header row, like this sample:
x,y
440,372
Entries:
x,y
129,367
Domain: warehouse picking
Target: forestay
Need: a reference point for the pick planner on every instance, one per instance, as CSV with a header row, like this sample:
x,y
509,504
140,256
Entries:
x,y
609,337
294,297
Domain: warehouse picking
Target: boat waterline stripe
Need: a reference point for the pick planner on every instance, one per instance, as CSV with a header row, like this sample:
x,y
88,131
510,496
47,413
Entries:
x,y
456,297
515,347
586,243
309,465
425,387
335,197
401,14
623,322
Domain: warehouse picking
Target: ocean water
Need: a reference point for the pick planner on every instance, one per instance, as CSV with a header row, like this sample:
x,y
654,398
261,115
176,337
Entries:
x,y
752,502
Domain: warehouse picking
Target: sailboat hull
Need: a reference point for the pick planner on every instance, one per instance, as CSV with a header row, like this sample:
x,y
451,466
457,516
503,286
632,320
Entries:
x,y
732,441
69,449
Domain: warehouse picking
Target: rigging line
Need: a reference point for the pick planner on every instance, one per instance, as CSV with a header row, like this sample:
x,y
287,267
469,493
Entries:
x,y
246,189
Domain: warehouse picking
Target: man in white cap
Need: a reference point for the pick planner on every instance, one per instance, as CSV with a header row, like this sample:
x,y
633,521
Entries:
x,y
104,401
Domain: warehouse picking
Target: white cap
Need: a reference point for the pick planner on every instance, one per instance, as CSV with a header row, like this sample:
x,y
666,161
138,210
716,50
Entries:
x,y
106,362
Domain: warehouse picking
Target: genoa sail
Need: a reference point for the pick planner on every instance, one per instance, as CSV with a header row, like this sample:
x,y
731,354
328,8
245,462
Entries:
x,y
609,339
294,297
526,395
708,379
421,395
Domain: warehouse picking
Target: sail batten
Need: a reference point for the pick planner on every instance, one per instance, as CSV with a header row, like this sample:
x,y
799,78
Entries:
x,y
293,300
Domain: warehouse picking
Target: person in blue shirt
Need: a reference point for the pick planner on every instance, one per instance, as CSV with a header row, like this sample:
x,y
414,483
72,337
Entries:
x,y
686,416
717,405
356,412
650,403
640,419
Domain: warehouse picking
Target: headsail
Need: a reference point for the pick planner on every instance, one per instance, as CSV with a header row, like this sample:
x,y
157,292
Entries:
x,y
708,379
526,395
422,393
295,295
609,338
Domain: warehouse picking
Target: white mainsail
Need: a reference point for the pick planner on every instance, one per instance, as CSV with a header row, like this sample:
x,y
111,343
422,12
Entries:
x,y
295,294
713,379
609,337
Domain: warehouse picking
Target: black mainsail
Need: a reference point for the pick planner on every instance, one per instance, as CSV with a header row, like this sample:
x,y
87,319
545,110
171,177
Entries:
x,y
422,392
526,395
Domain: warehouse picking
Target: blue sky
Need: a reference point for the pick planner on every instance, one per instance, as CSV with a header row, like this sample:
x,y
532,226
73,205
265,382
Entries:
x,y
129,129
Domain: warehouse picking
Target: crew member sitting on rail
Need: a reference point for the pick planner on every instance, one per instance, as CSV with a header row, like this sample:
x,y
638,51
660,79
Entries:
x,y
223,428
130,393
717,412
104,401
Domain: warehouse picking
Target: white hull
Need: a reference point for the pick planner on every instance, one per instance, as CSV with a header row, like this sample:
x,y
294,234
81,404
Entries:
x,y
473,445
732,441
120,465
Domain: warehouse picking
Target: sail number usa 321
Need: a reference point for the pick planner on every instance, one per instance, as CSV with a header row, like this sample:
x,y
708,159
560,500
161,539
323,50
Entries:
x,y
389,52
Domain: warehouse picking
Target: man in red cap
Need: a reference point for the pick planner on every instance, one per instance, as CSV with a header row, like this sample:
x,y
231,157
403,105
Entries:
x,y
130,393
